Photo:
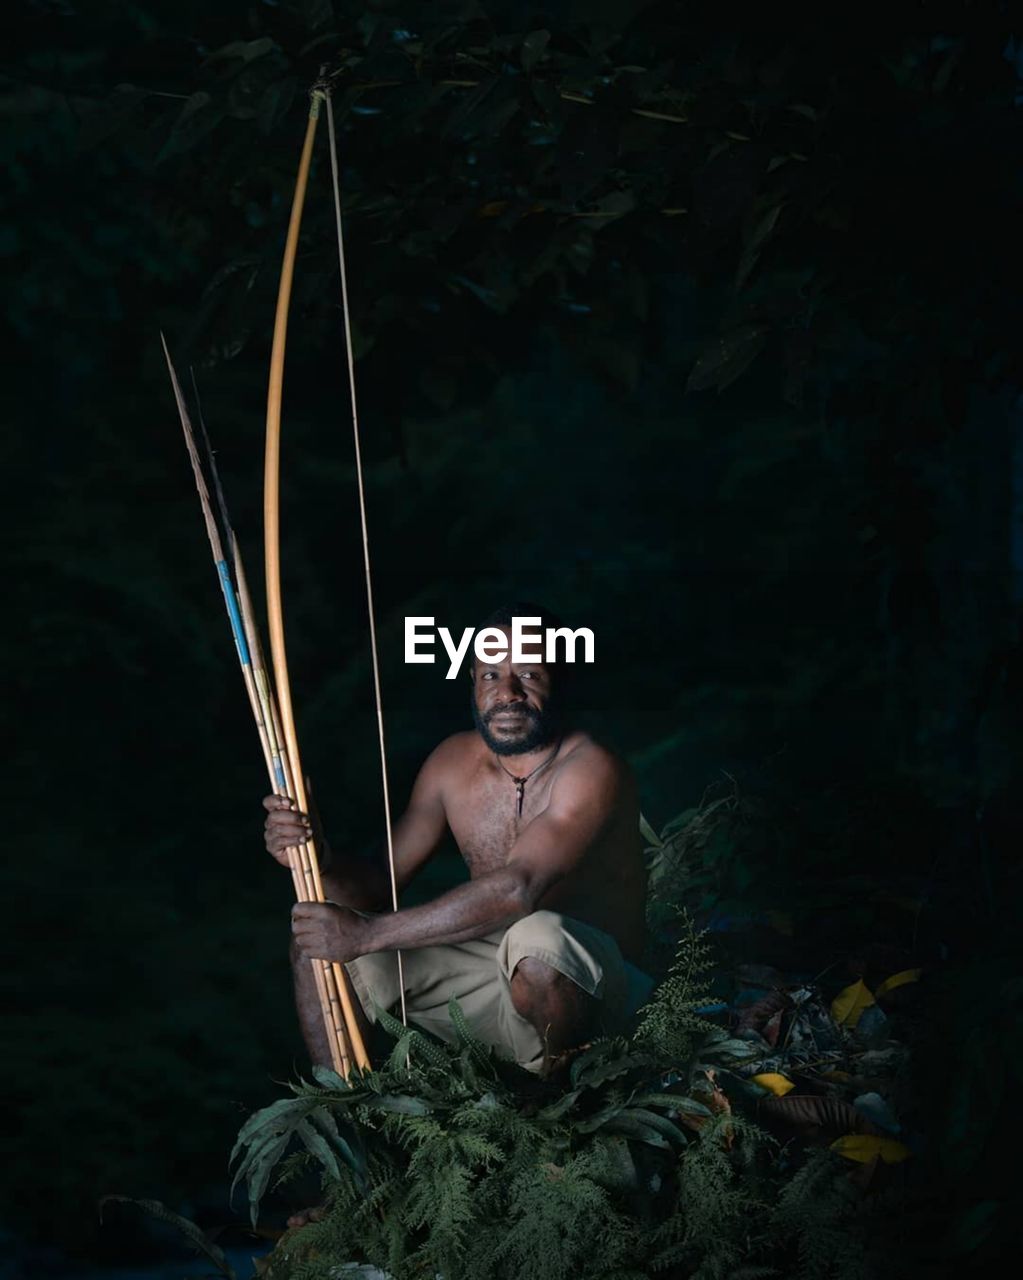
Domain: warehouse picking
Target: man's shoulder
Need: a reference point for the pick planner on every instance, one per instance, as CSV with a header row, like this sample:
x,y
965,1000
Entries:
x,y
586,758
455,752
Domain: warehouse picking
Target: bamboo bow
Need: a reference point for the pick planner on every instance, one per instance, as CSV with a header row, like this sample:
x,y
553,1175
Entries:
x,y
274,715
335,996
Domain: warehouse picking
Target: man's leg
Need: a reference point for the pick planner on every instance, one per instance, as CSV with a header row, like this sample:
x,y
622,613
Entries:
x,y
561,1012
563,983
310,1011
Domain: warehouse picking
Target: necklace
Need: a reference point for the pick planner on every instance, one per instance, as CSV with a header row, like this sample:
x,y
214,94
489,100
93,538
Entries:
x,y
520,783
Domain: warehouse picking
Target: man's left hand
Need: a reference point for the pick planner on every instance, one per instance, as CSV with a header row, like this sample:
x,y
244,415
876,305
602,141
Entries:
x,y
325,931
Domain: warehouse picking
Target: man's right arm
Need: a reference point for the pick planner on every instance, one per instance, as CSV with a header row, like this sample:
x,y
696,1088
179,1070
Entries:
x,y
356,882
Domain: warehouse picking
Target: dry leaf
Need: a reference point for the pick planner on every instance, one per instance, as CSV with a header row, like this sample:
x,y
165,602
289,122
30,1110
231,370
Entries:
x,y
777,1084
761,1011
772,1029
898,980
813,1116
848,1006
864,1147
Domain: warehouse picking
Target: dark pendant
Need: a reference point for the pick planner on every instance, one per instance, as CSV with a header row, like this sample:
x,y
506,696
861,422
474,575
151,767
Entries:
x,y
520,787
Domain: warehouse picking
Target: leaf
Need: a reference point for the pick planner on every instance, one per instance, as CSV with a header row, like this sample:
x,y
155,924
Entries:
x,y
265,1137
247,90
560,1108
758,235
533,48
650,1118
772,1029
621,1173
761,1011
416,1043
197,117
330,1079
402,1104
485,110
194,1234
400,1055
673,1102
727,358
897,980
777,1084
274,1118
600,1119
811,1113
258,1175
314,13
353,1157
257,1149
476,1048
649,834
864,1147
316,1145
591,1074
848,1006
246,50
730,1050
630,1127
608,208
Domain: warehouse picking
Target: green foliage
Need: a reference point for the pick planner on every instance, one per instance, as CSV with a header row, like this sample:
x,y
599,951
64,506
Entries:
x,y
719,856
830,1223
632,1166
269,1133
670,1023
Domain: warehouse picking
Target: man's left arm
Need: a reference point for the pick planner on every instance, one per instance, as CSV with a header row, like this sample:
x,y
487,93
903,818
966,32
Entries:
x,y
582,803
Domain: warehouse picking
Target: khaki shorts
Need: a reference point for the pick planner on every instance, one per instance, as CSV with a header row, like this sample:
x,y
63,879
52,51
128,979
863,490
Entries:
x,y
478,974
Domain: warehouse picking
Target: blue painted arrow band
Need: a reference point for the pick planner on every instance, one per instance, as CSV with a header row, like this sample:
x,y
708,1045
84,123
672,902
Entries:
x,y
235,616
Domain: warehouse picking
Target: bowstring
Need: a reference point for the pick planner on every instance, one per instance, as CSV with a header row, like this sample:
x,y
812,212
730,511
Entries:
x,y
336,184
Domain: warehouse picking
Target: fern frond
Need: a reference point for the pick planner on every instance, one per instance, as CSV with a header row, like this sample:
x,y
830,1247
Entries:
x,y
193,1233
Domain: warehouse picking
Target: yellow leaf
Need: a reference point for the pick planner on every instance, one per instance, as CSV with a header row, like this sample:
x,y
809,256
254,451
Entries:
x,y
777,1084
898,980
847,1007
864,1147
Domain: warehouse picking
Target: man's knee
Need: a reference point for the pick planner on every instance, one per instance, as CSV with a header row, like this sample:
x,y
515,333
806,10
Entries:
x,y
540,991
540,956
534,980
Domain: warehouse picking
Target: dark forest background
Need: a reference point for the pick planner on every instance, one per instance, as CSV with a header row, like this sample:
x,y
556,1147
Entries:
x,y
708,341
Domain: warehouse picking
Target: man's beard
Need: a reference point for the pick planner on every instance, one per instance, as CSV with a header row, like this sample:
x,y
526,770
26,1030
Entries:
x,y
538,728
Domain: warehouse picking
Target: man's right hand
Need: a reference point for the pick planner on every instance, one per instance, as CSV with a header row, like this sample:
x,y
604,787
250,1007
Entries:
x,y
286,826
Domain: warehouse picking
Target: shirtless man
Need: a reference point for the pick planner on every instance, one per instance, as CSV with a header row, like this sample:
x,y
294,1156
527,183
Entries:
x,y
533,945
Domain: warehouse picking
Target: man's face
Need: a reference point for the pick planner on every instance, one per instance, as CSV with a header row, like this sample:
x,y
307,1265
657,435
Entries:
x,y
512,706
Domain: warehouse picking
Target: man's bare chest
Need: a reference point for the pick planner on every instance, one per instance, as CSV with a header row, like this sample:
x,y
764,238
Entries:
x,y
485,821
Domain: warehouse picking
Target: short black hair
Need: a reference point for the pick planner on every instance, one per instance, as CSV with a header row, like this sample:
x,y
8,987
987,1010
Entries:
x,y
505,615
